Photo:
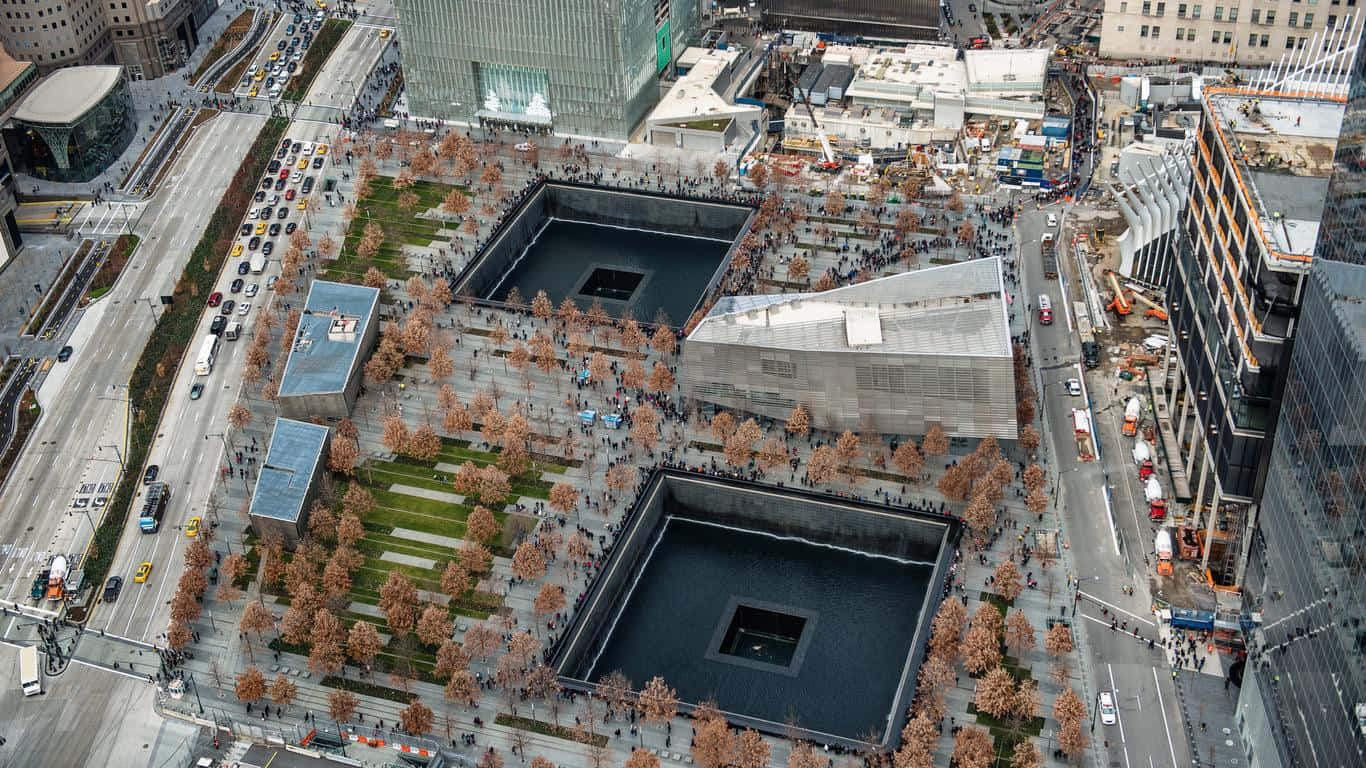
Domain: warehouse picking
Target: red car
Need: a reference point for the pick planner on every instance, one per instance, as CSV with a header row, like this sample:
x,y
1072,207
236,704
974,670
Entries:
x,y
289,195
284,173
215,298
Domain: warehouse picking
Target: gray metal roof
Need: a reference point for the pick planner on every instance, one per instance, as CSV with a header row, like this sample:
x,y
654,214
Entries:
x,y
67,94
956,309
296,447
321,362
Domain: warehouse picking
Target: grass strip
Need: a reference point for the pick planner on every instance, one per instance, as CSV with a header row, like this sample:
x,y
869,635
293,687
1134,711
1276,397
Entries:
x,y
112,266
29,411
368,689
232,35
547,729
54,296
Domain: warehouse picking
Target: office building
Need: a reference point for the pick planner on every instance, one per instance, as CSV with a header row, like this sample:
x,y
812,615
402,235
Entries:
x,y
286,482
1303,699
149,38
337,330
1221,31
564,66
16,77
895,355
878,19
73,124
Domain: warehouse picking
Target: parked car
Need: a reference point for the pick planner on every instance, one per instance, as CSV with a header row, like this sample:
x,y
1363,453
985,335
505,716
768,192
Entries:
x,y
112,587
151,474
244,266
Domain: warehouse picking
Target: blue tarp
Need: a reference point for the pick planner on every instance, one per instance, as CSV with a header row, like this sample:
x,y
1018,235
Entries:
x,y
1185,618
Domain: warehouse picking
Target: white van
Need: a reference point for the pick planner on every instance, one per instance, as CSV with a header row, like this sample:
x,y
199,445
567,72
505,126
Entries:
x,y
30,675
307,148
233,331
275,91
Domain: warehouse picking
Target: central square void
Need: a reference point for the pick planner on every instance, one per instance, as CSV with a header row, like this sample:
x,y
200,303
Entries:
x,y
649,255
782,607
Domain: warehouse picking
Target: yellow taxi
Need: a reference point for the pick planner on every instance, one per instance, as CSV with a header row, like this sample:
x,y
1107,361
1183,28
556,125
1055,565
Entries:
x,y
321,150
253,92
384,34
303,203
259,76
302,164
143,572
321,5
261,228
274,55
192,528
236,250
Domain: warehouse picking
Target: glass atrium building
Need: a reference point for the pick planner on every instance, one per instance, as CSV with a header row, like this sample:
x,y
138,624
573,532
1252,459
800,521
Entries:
x,y
577,67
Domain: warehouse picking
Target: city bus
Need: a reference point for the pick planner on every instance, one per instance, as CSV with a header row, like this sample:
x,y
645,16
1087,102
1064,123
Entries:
x,y
203,365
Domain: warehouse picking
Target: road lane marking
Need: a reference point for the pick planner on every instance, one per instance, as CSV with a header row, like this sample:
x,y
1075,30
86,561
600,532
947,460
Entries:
x,y
1162,705
1116,608
1119,720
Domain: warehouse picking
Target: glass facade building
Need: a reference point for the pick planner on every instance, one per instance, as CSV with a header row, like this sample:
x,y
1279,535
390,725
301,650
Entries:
x,y
578,67
50,141
1305,679
887,19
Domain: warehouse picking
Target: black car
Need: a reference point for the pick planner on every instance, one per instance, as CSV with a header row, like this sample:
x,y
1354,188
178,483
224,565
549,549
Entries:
x,y
297,146
246,228
226,310
317,162
260,197
266,212
280,45
284,211
151,474
244,266
295,41
266,249
266,182
196,390
285,142
273,166
253,243
290,227
290,67
280,185
280,155
274,228
236,286
308,185
216,327
270,82
64,354
112,587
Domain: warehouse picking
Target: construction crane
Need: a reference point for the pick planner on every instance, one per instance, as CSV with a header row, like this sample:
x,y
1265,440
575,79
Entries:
x,y
1154,309
829,163
1120,304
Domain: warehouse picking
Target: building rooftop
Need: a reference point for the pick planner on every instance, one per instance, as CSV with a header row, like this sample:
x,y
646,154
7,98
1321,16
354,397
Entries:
x,y
694,102
1284,149
1006,70
327,343
11,68
67,94
296,447
956,309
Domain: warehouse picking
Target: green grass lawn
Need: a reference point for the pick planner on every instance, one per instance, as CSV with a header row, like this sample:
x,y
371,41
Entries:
x,y
400,227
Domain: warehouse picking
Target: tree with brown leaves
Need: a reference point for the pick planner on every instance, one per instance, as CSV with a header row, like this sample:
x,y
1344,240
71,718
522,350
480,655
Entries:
x,y
476,557
658,702
396,435
455,580
482,526
255,618
723,425
341,705
283,690
641,758
713,745
973,748
363,643
799,421
935,443
823,465
948,630
1019,633
251,685
239,416
528,563
416,718
398,600
549,600
772,453
1006,579
980,514
981,647
1057,641
1026,755
620,478
995,693
482,640
433,625
908,460
326,656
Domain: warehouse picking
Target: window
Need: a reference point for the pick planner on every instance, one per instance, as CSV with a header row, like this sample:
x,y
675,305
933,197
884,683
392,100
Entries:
x,y
1181,11
1290,43
1294,19
1270,17
1161,10
1195,11
1156,31
1147,7
1308,19
1180,33
1233,14
1120,28
1266,41
1228,38
1218,13
1215,38
1124,7
1256,15
1331,23
1303,41
1143,31
1252,40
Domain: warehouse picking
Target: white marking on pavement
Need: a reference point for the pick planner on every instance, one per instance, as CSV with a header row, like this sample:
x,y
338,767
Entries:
x,y
1114,691
1116,608
1162,705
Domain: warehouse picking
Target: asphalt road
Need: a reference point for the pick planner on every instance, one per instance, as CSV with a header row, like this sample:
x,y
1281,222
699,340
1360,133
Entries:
x,y
1149,730
54,497
189,449
345,73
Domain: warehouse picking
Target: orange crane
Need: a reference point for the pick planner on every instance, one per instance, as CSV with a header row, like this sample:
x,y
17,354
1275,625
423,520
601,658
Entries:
x,y
1154,309
1120,305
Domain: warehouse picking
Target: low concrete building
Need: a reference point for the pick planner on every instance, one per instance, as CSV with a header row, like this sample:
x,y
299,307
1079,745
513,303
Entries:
x,y
695,113
285,485
902,97
895,355
337,330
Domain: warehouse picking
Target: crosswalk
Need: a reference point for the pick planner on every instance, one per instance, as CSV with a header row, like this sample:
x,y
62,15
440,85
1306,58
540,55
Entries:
x,y
107,219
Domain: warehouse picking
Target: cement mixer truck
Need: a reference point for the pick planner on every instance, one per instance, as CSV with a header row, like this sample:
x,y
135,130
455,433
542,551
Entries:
x,y
1157,503
1132,410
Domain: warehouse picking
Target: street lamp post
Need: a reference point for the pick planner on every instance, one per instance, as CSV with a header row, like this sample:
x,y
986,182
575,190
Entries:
x,y
117,452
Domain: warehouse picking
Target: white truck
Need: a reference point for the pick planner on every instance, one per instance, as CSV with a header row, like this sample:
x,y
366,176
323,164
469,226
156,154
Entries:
x,y
258,263
30,674
1081,425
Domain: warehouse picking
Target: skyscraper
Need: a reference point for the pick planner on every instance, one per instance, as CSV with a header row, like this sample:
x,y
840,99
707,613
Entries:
x,y
580,67
1303,698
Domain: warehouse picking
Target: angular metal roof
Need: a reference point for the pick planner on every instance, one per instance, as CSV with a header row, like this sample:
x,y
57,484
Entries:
x,y
955,309
296,447
320,360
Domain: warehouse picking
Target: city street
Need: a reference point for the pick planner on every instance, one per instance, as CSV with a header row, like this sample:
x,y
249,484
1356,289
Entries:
x,y
1149,732
63,479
